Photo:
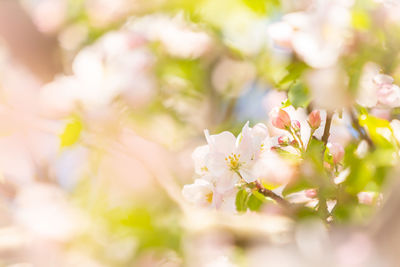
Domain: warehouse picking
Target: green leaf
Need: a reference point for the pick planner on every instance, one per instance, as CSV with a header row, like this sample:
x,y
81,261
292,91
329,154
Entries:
x,y
261,6
71,132
254,203
379,130
315,152
360,20
299,95
241,200
295,70
286,103
295,186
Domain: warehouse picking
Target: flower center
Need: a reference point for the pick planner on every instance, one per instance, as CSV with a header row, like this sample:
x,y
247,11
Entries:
x,y
233,161
209,197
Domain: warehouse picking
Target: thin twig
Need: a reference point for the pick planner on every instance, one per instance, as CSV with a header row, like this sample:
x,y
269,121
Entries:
x,y
268,193
328,123
297,139
310,138
361,131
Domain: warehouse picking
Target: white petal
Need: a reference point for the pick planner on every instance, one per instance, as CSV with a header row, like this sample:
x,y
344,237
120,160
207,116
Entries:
x,y
223,143
216,163
199,157
229,201
247,175
197,192
383,78
395,124
226,181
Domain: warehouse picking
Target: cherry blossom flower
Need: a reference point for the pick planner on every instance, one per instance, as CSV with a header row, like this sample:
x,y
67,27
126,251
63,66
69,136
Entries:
x,y
110,67
376,89
44,209
48,15
337,152
179,37
388,93
273,170
223,162
317,35
203,193
367,198
234,157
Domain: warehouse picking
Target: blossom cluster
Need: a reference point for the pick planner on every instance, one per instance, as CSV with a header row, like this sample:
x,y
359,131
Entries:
x,y
252,159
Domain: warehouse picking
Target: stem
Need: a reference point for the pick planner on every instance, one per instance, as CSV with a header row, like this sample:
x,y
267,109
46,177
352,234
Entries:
x,y
268,193
295,137
309,139
328,123
322,207
361,131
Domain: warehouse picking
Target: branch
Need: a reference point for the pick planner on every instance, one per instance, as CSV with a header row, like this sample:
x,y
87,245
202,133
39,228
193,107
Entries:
x,y
268,193
328,123
361,131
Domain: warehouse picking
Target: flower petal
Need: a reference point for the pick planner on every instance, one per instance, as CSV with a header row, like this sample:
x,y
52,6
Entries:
x,y
199,157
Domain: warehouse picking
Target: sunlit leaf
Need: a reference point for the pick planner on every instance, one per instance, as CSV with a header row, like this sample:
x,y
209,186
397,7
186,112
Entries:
x,y
241,200
71,132
299,95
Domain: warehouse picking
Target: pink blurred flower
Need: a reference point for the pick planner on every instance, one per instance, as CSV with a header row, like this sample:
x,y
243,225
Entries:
x,y
376,89
273,170
337,152
305,32
366,198
389,95
48,15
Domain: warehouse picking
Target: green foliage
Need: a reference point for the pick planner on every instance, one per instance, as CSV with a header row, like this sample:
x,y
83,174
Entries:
x,y
360,20
296,185
241,200
379,130
294,72
262,6
299,95
255,202
246,200
151,224
71,133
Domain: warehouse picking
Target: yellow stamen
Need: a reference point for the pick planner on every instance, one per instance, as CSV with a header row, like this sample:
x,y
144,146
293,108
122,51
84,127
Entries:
x,y
209,197
233,161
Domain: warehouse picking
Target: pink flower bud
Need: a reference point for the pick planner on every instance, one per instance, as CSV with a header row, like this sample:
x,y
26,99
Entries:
x,y
296,126
280,119
311,193
314,119
283,140
275,148
294,143
337,152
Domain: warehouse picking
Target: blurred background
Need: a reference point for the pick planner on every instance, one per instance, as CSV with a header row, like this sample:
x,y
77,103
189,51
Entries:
x,y
103,102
